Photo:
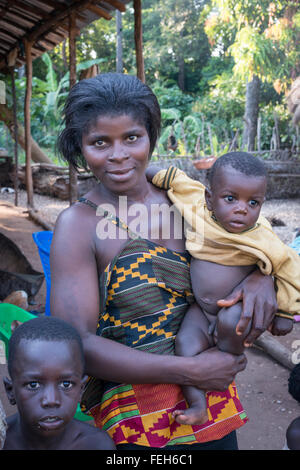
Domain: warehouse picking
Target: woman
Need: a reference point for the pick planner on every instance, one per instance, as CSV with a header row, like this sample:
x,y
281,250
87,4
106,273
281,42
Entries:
x,y
127,294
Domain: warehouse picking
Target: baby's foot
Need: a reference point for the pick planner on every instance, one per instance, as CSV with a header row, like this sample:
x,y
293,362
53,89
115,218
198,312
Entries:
x,y
193,415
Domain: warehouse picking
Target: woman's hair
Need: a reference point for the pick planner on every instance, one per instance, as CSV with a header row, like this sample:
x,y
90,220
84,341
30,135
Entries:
x,y
107,94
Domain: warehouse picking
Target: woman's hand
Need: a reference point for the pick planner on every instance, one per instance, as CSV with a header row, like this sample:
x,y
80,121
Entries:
x,y
258,296
215,370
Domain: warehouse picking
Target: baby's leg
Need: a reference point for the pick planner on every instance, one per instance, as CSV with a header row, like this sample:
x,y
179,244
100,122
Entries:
x,y
226,337
192,339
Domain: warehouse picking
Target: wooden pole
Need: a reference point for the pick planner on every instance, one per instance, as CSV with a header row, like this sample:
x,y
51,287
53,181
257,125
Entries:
x,y
138,38
13,88
73,193
29,184
119,54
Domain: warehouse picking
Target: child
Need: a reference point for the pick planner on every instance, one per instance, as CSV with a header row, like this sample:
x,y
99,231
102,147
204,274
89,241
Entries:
x,y
46,365
293,431
226,227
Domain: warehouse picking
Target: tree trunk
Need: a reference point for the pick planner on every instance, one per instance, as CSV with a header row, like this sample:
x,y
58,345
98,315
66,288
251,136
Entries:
x,y
251,113
37,155
181,74
119,53
138,39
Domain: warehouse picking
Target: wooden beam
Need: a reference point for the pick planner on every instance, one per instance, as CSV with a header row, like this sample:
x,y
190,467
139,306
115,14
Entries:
x,y
55,18
9,34
17,26
138,39
31,9
99,11
16,155
73,193
118,5
14,15
29,184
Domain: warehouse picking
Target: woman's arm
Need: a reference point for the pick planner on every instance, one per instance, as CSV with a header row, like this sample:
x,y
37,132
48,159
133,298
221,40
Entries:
x,y
75,298
258,295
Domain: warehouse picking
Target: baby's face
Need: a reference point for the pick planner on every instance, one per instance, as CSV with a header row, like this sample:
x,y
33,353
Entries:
x,y
236,199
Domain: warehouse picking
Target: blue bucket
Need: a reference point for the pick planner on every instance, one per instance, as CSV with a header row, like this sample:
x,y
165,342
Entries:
x,y
43,241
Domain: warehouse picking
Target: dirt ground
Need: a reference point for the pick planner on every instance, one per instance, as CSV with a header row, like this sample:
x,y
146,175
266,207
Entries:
x,y
262,385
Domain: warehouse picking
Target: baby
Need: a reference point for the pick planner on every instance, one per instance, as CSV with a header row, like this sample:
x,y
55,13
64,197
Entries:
x,y
227,238
46,368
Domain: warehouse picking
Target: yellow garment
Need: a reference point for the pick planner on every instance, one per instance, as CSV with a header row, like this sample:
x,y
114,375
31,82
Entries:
x,y
206,239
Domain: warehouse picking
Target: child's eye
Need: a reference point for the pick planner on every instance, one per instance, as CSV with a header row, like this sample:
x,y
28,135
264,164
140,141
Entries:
x,y
229,198
99,143
66,384
33,385
253,203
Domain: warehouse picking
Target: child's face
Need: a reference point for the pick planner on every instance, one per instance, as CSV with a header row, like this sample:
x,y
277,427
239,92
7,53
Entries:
x,y
236,199
46,385
116,149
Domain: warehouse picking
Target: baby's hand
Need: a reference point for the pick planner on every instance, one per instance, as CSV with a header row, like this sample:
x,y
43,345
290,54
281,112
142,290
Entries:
x,y
281,326
151,172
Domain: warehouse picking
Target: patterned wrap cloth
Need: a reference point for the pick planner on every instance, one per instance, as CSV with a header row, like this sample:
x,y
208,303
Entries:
x,y
145,292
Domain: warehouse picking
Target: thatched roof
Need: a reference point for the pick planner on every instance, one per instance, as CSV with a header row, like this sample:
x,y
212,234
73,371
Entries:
x,y
45,23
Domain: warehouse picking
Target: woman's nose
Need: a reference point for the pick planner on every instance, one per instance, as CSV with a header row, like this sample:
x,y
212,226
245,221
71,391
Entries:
x,y
119,152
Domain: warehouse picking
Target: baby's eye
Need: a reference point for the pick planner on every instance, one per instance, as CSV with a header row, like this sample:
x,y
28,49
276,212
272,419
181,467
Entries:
x,y
132,138
229,198
253,203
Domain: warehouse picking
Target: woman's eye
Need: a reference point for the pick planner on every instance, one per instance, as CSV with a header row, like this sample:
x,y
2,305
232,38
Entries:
x,y
99,143
229,198
132,138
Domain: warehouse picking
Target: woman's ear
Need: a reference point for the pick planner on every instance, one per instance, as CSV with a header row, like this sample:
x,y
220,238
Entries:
x,y
208,199
9,390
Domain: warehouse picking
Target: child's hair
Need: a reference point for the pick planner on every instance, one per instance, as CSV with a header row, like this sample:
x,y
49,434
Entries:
x,y
107,94
243,162
42,328
294,383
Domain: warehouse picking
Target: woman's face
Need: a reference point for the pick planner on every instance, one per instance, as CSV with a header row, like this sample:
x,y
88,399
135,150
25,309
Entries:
x,y
116,149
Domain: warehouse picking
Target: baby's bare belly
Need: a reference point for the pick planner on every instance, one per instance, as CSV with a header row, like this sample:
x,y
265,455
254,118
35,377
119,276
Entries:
x,y
212,282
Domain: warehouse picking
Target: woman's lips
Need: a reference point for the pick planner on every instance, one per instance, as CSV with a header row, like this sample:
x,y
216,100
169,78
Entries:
x,y
120,175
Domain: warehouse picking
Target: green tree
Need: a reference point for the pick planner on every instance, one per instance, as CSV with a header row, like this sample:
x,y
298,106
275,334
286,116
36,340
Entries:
x,y
257,36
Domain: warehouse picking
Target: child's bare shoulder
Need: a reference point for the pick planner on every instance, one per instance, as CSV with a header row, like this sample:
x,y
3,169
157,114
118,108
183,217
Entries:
x,y
92,438
11,441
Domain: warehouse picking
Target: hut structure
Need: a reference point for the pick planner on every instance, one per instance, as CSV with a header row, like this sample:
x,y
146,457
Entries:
x,y
29,28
